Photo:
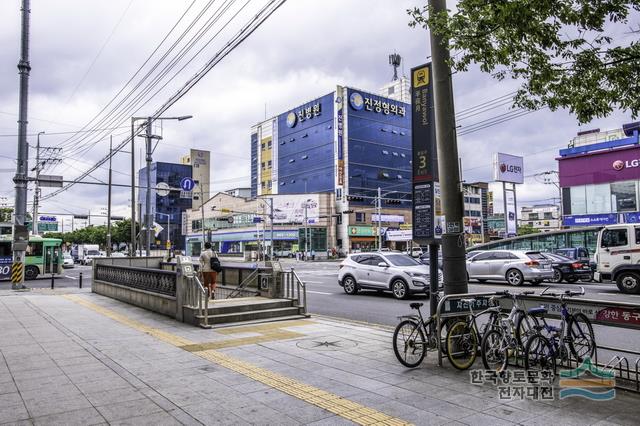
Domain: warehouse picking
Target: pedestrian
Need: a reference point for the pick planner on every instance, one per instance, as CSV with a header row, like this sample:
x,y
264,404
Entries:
x,y
209,267
313,254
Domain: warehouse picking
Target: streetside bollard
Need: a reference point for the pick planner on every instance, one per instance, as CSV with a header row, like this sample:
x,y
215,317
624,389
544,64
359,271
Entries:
x,y
52,278
80,281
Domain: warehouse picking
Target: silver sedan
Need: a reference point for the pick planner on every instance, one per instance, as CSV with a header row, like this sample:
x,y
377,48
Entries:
x,y
513,266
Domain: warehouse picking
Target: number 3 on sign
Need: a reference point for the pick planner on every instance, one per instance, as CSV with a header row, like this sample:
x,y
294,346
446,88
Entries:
x,y
423,162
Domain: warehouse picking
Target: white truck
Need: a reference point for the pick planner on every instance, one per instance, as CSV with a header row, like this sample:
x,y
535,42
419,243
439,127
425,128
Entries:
x,y
618,256
86,252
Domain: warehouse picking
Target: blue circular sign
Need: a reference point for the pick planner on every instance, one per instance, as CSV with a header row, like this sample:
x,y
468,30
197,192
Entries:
x,y
357,101
291,119
187,184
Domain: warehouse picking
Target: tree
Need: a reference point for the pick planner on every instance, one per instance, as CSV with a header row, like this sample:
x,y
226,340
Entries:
x,y
561,50
527,229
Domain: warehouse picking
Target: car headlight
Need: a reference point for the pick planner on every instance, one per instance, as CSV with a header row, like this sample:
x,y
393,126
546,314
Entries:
x,y
418,274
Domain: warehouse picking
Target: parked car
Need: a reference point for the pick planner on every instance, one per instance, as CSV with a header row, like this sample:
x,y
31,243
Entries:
x,y
618,256
90,255
67,260
385,271
569,270
118,254
578,254
513,266
283,253
415,252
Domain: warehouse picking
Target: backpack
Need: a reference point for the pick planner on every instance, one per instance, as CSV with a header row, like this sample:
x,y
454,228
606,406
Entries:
x,y
214,263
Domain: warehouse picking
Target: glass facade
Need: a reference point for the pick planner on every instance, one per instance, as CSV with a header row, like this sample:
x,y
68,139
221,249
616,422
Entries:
x,y
379,148
617,197
305,148
254,165
171,205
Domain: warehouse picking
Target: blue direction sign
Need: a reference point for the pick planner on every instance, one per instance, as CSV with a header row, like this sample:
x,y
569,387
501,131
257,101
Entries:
x,y
187,184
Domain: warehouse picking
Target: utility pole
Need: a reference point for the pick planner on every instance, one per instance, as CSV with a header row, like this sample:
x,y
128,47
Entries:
x,y
36,192
140,222
453,247
133,190
379,208
147,216
202,212
20,234
271,219
306,229
109,199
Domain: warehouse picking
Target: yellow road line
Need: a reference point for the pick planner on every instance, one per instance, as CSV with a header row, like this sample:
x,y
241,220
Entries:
x,y
333,403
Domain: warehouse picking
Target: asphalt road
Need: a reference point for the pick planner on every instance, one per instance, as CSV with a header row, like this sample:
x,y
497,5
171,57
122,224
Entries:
x,y
70,278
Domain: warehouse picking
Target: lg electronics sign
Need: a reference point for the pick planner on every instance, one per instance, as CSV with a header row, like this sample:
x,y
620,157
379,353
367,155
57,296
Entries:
x,y
508,168
628,164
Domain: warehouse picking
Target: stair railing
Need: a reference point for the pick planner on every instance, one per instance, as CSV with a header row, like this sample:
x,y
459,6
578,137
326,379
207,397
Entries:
x,y
295,289
253,276
197,297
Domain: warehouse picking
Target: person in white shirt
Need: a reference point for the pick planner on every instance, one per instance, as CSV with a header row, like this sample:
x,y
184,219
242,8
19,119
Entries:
x,y
209,276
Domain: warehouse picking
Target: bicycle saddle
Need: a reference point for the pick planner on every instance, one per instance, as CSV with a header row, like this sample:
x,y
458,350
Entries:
x,y
415,305
538,310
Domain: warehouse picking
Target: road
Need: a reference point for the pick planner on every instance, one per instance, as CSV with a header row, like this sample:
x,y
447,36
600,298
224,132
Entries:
x,y
70,278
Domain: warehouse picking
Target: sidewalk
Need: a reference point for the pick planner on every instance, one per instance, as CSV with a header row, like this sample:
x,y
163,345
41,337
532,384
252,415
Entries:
x,y
73,357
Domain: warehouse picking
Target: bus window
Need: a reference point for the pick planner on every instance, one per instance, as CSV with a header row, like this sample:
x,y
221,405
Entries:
x,y
5,249
34,249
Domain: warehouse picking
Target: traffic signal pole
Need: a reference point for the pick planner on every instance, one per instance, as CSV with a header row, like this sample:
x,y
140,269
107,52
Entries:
x,y
453,244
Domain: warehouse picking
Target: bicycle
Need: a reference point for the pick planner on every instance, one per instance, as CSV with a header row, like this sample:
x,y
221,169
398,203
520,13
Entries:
x,y
463,337
499,343
575,336
409,342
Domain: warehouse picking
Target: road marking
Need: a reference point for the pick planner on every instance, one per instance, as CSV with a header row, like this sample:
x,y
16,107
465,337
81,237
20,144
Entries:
x,y
313,282
73,278
319,292
608,294
333,403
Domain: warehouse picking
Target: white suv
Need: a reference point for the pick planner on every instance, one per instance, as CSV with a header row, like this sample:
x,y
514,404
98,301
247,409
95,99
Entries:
x,y
618,256
395,272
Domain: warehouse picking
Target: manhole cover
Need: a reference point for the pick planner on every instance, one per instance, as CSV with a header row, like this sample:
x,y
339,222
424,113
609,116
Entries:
x,y
326,343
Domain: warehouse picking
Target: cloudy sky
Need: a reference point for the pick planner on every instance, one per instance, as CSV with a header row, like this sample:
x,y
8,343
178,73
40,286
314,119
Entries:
x,y
84,52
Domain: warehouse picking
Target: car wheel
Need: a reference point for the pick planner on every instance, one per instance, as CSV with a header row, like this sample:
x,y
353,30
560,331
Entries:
x,y
628,282
349,285
514,277
31,272
400,289
557,276
572,280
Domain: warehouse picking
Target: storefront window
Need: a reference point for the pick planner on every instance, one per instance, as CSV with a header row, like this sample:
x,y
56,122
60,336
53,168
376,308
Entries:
x,y
578,200
623,196
598,198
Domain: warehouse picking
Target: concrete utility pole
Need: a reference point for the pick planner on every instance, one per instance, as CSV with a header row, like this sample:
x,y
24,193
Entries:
x,y
36,193
271,220
133,190
379,208
453,246
109,199
147,215
20,179
306,228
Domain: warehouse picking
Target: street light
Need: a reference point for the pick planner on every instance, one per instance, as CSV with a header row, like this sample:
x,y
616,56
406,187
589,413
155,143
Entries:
x,y
168,243
378,201
148,136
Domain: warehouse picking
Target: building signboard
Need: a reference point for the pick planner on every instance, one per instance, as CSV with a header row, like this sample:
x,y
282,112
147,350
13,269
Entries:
x,y
340,133
600,167
399,235
361,231
291,208
394,218
423,129
304,113
590,219
508,168
423,217
368,102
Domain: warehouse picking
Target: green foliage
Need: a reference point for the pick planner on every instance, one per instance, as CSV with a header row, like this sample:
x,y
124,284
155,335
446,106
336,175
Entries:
x,y
561,50
5,214
527,229
120,233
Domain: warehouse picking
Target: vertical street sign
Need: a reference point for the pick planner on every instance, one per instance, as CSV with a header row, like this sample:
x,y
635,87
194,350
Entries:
x,y
425,160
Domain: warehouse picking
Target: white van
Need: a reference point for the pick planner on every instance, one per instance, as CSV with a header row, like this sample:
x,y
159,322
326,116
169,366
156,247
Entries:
x,y
618,256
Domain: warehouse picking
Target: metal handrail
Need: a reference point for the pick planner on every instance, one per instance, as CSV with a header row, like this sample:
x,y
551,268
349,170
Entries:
x,y
196,296
301,288
252,276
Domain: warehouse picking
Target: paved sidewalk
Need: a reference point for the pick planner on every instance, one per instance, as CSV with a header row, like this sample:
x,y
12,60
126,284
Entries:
x,y
78,358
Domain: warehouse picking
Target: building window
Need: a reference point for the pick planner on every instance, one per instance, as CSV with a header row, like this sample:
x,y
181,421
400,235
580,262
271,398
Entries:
x,y
269,145
270,184
385,152
578,200
262,184
304,157
361,217
533,216
598,198
292,160
623,196
391,90
262,146
548,215
269,164
262,165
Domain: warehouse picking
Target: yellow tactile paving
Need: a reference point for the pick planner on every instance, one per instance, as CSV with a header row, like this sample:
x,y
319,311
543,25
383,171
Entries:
x,y
333,403
261,328
271,336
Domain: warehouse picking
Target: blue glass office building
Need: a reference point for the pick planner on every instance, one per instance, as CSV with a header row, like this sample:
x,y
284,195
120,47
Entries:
x,y
171,204
348,142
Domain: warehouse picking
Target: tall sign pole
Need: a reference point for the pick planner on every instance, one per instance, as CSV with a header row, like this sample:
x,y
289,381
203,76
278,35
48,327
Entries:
x,y
453,246
109,198
20,233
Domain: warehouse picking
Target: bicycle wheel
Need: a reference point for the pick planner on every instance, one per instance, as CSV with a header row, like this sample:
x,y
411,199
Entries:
x,y
582,342
526,326
462,345
539,355
409,344
495,351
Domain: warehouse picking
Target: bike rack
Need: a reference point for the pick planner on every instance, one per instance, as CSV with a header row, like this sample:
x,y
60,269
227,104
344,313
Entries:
x,y
439,315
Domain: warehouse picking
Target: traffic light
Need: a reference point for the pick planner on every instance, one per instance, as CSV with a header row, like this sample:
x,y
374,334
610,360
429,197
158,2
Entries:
x,y
354,198
395,202
347,211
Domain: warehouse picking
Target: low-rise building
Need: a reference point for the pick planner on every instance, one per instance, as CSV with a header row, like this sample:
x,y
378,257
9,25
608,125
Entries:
x,y
543,217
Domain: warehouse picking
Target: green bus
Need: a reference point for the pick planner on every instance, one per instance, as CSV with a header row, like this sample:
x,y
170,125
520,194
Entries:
x,y
44,255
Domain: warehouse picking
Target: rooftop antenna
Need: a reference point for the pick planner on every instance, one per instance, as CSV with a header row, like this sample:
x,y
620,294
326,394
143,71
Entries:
x,y
394,61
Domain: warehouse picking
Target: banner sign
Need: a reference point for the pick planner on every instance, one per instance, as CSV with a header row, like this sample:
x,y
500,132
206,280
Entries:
x,y
291,208
399,235
423,129
590,219
394,218
508,168
423,227
510,214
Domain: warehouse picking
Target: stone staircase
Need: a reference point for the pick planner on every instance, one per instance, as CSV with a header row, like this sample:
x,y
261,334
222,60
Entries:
x,y
245,310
